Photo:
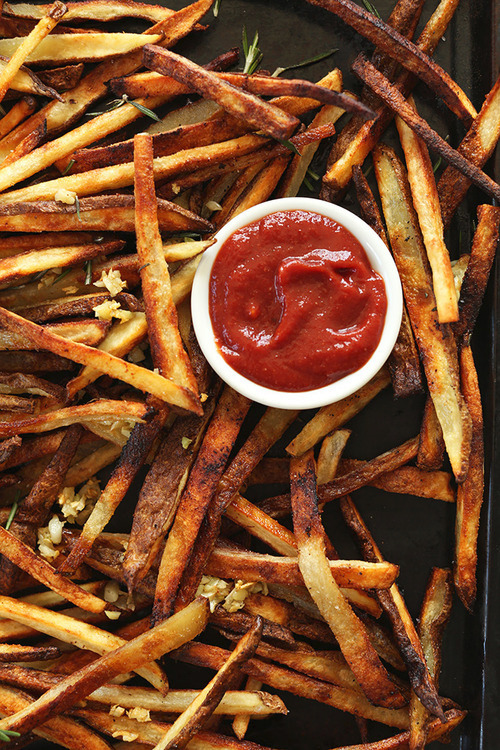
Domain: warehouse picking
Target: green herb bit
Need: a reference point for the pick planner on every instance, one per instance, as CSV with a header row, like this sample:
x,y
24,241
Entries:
x,y
369,6
38,276
216,8
304,63
88,272
310,177
253,55
109,107
368,170
142,108
439,160
13,511
62,275
71,163
6,734
290,146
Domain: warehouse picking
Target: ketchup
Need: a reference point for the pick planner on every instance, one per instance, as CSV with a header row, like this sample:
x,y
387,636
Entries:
x,y
294,302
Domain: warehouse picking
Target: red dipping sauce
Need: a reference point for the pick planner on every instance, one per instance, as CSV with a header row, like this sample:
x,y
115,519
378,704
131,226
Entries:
x,y
294,302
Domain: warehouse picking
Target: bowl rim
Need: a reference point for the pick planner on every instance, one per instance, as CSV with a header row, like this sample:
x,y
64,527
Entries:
x,y
381,261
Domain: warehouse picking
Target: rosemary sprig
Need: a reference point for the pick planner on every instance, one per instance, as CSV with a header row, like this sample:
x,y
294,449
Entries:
x,y
88,272
290,146
109,107
310,177
141,108
6,734
439,160
252,53
77,206
369,6
61,276
216,8
13,511
70,165
304,63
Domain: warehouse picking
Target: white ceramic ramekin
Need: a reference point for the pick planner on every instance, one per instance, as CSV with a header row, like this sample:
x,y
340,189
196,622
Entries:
x,y
380,260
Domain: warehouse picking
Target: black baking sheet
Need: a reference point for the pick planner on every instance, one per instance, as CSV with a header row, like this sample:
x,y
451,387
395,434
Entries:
x,y
415,533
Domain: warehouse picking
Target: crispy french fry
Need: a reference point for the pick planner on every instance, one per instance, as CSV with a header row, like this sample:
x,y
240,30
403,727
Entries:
x,y
431,447
131,655
404,629
13,652
477,146
329,418
434,615
29,45
203,480
436,344
426,202
17,113
93,10
314,566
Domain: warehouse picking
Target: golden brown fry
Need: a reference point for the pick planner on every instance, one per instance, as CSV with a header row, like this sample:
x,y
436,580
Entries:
x,y
16,114
261,115
132,655
203,481
145,380
281,678
434,615
94,10
396,101
314,566
167,349
393,603
431,447
470,492
477,146
426,203
404,51
196,715
329,418
262,526
436,344
132,458
29,44
13,652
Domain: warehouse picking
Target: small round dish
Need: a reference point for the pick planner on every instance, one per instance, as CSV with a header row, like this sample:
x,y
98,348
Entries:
x,y
380,260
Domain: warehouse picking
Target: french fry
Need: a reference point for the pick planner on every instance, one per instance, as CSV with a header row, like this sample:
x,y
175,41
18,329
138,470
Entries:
x,y
131,655
241,721
248,107
477,146
252,566
436,345
93,10
261,525
26,81
404,629
63,78
146,380
83,331
13,652
203,481
71,630
167,349
132,458
281,678
362,475
17,113
405,52
396,101
269,429
29,44
434,615
426,202
431,447
196,715
470,492
314,566
33,362
332,417
478,270
60,730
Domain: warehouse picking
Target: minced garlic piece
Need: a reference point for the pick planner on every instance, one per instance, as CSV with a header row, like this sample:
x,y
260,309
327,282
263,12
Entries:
x,y
77,506
109,309
112,615
214,589
186,442
111,591
213,206
65,196
48,536
116,711
112,281
139,714
126,736
235,600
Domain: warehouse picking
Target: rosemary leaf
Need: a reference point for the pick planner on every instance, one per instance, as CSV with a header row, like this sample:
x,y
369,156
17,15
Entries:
x,y
142,108
253,55
6,734
304,63
88,272
70,165
62,275
216,8
290,146
13,511
369,6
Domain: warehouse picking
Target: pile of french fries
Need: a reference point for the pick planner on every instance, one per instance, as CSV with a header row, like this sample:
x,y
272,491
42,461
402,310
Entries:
x,y
104,392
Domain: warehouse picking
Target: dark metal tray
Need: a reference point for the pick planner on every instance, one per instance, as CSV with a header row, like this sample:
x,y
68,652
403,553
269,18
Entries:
x,y
415,533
